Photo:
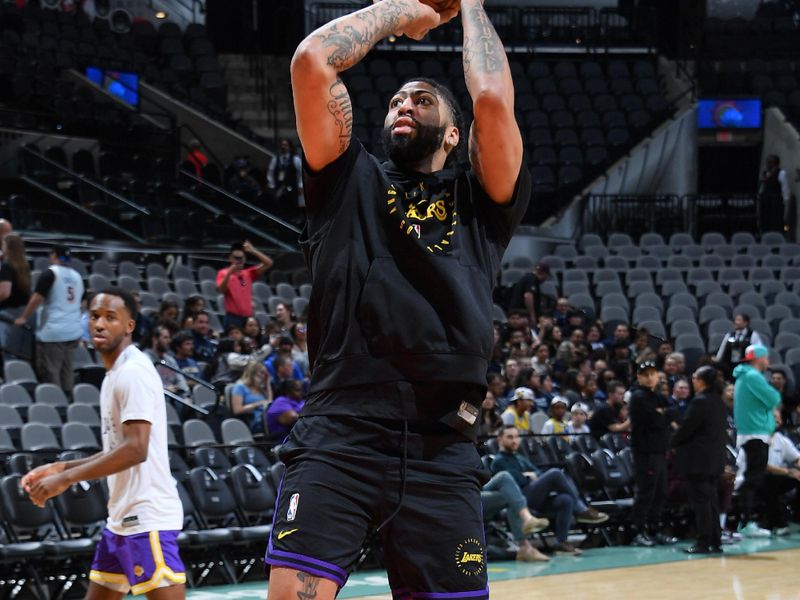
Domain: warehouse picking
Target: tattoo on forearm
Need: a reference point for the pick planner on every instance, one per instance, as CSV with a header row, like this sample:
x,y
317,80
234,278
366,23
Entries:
x,y
349,40
310,583
483,49
341,110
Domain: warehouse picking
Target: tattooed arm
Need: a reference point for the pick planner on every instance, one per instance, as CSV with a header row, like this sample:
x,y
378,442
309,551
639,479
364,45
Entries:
x,y
321,102
495,143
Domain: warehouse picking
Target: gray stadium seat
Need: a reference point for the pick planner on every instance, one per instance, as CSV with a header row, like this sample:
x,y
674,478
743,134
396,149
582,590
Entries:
x,y
649,263
665,275
751,310
684,299
186,287
155,269
575,287
679,313
791,300
129,269
206,273
636,288
704,288
712,262
585,263
15,395
197,433
753,298
688,340
616,263
50,393
78,436
575,275
129,284
698,274
645,313
651,239
712,238
773,238
608,287
285,290
680,262
158,286
710,312
86,393
776,314
45,414
786,340
36,437
614,313
653,300
236,433
720,299
21,372
684,328
670,288
737,288
678,240
769,289
655,327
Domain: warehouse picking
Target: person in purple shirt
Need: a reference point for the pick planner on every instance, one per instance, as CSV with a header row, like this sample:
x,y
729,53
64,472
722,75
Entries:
x,y
285,409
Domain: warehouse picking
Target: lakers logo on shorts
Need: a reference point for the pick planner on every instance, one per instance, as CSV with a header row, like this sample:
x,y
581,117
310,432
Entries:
x,y
138,570
469,557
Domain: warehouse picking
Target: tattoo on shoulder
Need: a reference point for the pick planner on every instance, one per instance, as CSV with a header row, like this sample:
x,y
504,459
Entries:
x,y
341,109
309,585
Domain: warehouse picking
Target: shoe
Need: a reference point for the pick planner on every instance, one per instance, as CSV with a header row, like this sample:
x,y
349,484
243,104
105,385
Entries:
x,y
531,554
643,541
730,537
664,540
567,549
534,525
715,550
752,530
697,549
591,516
780,531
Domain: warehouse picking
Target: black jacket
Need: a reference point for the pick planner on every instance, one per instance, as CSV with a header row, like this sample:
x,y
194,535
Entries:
x,y
700,440
649,433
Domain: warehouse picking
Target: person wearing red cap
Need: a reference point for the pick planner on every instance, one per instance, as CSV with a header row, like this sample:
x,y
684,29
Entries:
x,y
753,402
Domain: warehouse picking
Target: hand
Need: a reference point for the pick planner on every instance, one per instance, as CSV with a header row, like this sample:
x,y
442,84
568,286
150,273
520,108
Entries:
x,y
20,321
447,9
236,267
248,247
34,475
48,487
794,473
427,18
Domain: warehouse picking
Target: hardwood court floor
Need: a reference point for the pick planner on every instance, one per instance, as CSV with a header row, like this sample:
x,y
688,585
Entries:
x,y
752,570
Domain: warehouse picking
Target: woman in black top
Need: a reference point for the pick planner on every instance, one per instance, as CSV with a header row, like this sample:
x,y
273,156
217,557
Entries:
x,y
700,454
15,276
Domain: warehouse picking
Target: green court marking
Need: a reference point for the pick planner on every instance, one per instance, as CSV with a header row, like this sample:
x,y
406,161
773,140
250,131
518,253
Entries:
x,y
373,583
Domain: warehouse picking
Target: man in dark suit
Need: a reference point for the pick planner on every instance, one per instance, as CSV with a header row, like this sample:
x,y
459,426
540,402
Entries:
x,y
699,444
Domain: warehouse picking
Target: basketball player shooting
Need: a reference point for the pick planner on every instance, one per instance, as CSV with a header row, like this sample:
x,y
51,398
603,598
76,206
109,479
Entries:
x,y
138,551
403,255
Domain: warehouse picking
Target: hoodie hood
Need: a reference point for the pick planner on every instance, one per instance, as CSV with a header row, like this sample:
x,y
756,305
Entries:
x,y
741,369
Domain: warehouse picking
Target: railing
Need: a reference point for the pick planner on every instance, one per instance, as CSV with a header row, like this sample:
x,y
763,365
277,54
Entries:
x,y
670,213
532,27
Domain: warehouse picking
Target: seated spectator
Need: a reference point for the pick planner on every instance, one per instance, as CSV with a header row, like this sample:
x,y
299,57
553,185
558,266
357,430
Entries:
x,y
518,414
543,394
500,492
675,368
594,338
252,329
284,317
789,401
204,347
576,321
552,338
555,424
282,368
171,377
183,348
622,333
579,414
489,421
191,307
619,361
551,491
608,417
168,311
252,395
285,346
227,364
782,477
144,324
640,349
664,350
561,313
572,385
678,402
500,389
234,332
284,412
300,348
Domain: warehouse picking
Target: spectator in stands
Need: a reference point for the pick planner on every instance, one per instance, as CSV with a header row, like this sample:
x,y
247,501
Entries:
x,y
183,349
640,348
284,316
700,452
5,228
622,333
196,157
15,275
561,313
782,477
576,321
732,347
191,307
518,413
511,370
754,401
500,388
489,421
227,364
664,350
541,357
284,369
252,329
236,282
551,491
594,338
234,332
527,294
674,367
606,417
579,414
285,177
789,400
543,392
168,312
299,333
285,347
144,323
242,183
619,360
774,194
571,386
649,441
284,412
252,395
678,402
727,399
500,492
59,291
551,336
556,423
159,350
203,346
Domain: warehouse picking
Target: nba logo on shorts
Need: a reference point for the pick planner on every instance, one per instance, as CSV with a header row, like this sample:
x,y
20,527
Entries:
x,y
292,512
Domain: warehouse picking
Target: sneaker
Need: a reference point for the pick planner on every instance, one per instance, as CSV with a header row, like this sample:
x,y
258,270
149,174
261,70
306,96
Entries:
x,y
531,554
534,525
752,530
591,516
697,549
730,537
568,549
780,531
663,539
643,541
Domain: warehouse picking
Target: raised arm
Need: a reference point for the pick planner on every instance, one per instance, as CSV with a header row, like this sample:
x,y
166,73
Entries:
x,y
321,102
495,143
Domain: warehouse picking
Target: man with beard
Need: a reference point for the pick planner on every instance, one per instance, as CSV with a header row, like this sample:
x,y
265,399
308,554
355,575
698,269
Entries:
x,y
402,257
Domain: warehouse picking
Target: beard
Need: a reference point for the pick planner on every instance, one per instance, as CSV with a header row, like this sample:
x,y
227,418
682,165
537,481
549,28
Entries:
x,y
411,149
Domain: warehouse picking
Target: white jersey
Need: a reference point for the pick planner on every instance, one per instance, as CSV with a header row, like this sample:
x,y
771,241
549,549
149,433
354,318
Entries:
x,y
143,497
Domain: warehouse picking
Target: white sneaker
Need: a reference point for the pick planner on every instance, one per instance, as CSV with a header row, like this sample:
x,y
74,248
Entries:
x,y
730,537
752,530
780,531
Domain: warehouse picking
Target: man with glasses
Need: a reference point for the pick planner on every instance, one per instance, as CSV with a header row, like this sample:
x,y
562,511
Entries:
x,y
236,282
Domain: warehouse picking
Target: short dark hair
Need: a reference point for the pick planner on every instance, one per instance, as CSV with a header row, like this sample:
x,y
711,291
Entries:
x,y
127,299
179,338
237,246
456,115
612,385
744,316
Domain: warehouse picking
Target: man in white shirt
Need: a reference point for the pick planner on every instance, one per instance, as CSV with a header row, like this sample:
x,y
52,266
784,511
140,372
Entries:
x,y
138,551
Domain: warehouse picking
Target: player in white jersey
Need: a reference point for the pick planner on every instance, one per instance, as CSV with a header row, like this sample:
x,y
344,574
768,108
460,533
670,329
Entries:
x,y
138,551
